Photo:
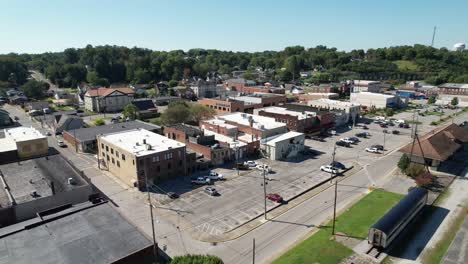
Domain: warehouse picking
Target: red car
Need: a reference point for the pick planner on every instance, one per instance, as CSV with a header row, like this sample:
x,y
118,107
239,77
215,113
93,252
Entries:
x,y
275,197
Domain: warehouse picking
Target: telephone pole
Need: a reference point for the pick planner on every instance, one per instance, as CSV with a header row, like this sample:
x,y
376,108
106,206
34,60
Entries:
x,y
336,186
264,193
155,245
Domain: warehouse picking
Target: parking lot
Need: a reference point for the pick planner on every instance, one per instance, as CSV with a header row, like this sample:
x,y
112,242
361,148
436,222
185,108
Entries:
x,y
241,198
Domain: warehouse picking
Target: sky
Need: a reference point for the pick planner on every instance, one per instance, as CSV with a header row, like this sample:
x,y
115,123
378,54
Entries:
x,y
36,26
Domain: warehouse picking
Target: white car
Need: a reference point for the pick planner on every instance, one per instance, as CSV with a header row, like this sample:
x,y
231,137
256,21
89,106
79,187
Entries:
x,y
372,150
400,121
250,163
61,144
215,176
329,169
347,140
381,118
263,167
201,180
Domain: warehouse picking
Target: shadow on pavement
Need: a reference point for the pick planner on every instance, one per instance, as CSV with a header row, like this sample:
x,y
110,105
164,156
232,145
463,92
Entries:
x,y
412,241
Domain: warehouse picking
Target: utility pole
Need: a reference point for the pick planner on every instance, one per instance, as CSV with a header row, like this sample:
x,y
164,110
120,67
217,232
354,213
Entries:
x,y
253,252
384,134
264,194
155,245
236,153
336,186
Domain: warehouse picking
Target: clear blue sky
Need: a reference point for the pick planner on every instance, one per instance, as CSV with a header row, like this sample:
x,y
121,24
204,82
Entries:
x,y
240,25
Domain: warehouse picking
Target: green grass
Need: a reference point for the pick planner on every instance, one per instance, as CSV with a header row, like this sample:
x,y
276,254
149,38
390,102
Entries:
x,y
406,65
63,108
433,113
355,222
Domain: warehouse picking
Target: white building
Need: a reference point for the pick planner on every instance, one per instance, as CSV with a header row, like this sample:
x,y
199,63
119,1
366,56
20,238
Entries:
x,y
22,142
207,89
351,110
376,100
259,126
366,86
284,146
108,99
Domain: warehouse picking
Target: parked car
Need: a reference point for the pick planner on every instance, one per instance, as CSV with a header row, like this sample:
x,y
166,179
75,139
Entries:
x,y
390,124
395,132
61,144
329,169
365,127
367,122
379,147
251,163
201,180
172,195
385,131
372,150
403,125
317,138
338,165
16,118
211,191
48,133
347,140
381,118
363,134
275,197
354,139
215,176
343,144
400,121
242,166
35,112
383,125
333,132
265,167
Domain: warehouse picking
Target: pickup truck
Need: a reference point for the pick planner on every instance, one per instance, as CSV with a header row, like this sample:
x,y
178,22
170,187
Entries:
x,y
201,180
215,176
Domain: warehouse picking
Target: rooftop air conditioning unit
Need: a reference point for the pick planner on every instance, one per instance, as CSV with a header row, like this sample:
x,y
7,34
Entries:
x,y
147,146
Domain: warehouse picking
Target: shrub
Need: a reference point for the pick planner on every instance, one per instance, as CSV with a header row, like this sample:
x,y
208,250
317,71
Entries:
x,y
415,170
404,162
99,122
196,259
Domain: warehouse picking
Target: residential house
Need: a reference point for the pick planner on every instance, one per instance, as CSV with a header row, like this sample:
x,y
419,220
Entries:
x,y
108,99
146,108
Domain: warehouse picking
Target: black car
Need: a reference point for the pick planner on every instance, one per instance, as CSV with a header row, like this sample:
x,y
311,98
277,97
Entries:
x,y
343,144
390,124
317,138
365,127
362,135
354,139
395,132
379,147
367,122
338,165
242,166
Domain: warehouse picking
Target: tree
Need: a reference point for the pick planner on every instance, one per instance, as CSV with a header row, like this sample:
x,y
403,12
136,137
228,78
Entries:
x,y
414,170
389,112
173,83
99,122
199,112
454,101
152,92
196,259
178,112
404,162
130,111
34,89
431,100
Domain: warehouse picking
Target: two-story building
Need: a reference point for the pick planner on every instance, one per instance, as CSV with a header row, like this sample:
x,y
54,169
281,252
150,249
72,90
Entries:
x,y
108,99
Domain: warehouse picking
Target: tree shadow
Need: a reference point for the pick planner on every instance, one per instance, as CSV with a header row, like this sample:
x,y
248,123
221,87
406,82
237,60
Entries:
x,y
414,238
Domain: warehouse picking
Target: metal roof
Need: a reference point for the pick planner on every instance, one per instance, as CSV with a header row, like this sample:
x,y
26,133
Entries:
x,y
392,219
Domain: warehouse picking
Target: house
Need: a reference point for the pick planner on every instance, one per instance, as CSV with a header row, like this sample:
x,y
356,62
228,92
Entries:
x,y
207,89
165,100
22,143
18,99
85,139
196,140
108,99
40,105
223,106
140,156
65,123
437,146
5,119
146,108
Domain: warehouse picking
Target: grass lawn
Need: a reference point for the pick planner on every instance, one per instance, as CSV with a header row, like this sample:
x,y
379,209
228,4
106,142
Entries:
x,y
356,221
406,65
63,108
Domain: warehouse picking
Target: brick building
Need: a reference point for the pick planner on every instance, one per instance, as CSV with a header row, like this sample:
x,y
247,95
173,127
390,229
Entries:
x,y
223,106
196,140
136,155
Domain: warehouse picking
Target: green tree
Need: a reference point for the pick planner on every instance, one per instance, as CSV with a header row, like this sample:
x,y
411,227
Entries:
x,y
404,162
414,170
152,92
99,122
454,101
431,100
199,112
389,112
34,89
173,83
130,111
176,113
196,259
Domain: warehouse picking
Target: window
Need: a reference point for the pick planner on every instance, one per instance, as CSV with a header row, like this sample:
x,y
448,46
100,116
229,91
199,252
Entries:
x,y
108,158
169,166
112,151
118,164
103,154
158,169
102,145
123,157
168,155
116,153
133,162
113,161
107,148
180,162
155,159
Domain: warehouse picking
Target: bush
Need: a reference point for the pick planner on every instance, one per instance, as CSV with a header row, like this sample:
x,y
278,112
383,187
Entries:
x,y
404,162
415,170
99,122
433,123
196,259
389,112
431,100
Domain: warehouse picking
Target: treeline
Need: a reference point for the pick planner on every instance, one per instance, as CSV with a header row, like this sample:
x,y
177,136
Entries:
x,y
103,65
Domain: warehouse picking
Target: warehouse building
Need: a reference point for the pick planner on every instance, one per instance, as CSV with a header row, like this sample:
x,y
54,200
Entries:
x,y
376,100
284,146
351,110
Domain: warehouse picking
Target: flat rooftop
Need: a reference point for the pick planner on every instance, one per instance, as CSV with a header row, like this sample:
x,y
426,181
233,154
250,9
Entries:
x,y
91,133
36,175
285,111
372,94
10,136
271,141
454,85
226,139
331,102
191,131
84,233
220,123
365,82
132,141
259,122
